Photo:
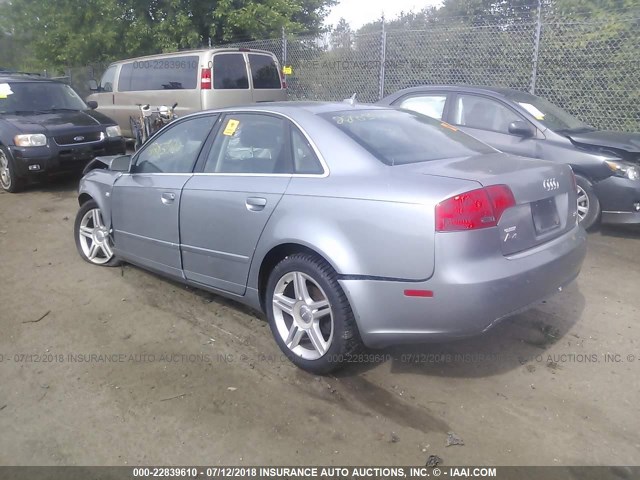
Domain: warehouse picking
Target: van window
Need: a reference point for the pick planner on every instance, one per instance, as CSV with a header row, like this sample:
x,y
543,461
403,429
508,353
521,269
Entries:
x,y
229,71
106,83
171,73
264,71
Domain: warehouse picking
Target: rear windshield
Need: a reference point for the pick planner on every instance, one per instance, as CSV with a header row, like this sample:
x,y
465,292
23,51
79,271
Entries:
x,y
398,137
264,71
172,73
34,97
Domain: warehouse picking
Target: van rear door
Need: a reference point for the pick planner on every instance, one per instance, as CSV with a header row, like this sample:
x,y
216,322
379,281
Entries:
x,y
266,78
229,83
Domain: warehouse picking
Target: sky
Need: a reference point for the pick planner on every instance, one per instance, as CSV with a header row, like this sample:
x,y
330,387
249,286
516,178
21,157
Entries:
x,y
359,12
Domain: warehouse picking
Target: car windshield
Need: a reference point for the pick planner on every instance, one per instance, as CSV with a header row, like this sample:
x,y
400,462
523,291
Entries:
x,y
27,97
398,137
550,115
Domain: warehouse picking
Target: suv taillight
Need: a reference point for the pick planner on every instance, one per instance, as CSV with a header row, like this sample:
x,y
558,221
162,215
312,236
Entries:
x,y
481,208
283,80
205,79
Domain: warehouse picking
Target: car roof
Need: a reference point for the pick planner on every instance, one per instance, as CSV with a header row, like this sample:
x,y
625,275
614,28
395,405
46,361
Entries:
x,y
23,77
315,108
194,52
493,91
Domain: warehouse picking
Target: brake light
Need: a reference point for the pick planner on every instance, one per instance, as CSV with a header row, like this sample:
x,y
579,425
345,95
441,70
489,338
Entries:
x,y
283,79
205,79
481,208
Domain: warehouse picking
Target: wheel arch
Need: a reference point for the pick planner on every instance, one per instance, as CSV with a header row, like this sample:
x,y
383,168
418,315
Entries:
x,y
275,256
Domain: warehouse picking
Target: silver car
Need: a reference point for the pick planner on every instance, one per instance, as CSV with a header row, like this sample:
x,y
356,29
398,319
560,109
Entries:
x,y
346,224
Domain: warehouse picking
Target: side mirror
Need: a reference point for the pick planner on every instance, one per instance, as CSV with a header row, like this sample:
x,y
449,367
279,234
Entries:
x,y
93,85
92,104
521,128
121,164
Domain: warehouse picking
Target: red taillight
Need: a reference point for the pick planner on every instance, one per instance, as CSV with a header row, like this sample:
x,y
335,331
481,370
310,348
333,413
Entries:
x,y
205,79
283,80
481,208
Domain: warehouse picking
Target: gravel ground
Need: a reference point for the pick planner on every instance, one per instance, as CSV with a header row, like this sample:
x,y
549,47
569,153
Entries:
x,y
116,366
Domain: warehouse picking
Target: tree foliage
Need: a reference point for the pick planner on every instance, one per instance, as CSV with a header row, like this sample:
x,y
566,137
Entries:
x,y
66,32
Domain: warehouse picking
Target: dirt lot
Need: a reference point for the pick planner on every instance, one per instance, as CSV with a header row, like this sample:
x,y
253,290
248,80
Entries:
x,y
183,377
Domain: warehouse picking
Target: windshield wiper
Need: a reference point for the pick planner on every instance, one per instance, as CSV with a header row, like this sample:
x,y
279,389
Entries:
x,y
24,112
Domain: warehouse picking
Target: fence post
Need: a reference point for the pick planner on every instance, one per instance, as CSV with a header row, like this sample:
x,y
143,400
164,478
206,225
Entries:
x,y
284,47
536,50
383,59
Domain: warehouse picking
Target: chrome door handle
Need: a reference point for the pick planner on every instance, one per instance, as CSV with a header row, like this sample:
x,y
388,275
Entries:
x,y
255,204
168,198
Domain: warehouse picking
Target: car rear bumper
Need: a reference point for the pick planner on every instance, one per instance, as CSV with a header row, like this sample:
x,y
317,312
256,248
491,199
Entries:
x,y
619,198
32,161
469,295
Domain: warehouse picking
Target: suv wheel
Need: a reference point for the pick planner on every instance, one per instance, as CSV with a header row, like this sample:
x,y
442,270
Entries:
x,y
309,314
9,180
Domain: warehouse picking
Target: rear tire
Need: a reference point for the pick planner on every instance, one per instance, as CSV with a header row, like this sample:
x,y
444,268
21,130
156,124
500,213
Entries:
x,y
9,179
309,314
588,203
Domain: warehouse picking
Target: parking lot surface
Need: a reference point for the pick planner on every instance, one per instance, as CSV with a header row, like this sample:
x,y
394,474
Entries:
x,y
116,366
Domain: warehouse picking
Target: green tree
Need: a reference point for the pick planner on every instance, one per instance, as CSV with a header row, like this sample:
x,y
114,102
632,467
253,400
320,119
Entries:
x,y
63,33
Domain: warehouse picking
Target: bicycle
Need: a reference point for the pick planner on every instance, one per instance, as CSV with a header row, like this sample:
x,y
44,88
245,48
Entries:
x,y
149,122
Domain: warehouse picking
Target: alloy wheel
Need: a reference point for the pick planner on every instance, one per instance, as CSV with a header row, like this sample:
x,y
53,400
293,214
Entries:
x,y
5,173
303,315
94,237
583,203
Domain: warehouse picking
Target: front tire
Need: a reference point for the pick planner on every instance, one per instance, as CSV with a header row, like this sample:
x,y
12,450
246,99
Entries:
x,y
309,314
93,240
588,203
9,179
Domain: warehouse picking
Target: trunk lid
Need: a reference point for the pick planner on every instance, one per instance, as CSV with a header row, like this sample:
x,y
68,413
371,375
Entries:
x,y
544,192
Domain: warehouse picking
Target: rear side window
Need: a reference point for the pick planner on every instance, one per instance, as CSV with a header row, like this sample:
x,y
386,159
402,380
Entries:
x,y
264,71
174,73
429,105
398,137
230,72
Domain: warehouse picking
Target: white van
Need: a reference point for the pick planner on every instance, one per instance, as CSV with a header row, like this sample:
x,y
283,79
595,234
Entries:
x,y
194,79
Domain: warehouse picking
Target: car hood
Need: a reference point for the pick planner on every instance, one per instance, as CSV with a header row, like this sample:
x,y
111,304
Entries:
x,y
629,142
55,123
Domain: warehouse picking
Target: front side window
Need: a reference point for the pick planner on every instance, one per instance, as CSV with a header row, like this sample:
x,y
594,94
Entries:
x,y
172,73
264,72
250,144
106,83
175,149
429,105
230,72
30,97
483,113
398,137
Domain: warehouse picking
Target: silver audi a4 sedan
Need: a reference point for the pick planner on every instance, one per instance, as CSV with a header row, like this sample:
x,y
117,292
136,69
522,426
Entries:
x,y
346,224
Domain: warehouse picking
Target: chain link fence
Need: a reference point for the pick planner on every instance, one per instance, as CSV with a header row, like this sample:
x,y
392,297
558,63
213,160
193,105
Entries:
x,y
590,68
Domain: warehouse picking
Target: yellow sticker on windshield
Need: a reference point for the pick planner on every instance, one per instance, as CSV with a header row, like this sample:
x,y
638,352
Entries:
x,y
5,90
287,70
232,126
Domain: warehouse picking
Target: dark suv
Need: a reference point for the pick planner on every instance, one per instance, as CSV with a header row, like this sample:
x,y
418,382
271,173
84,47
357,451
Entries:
x,y
45,127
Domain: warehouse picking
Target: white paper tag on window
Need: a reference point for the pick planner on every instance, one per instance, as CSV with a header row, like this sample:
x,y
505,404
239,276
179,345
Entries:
x,y
5,90
538,115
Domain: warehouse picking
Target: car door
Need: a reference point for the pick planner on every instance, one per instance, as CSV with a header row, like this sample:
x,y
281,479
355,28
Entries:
x,y
146,201
431,104
488,120
230,198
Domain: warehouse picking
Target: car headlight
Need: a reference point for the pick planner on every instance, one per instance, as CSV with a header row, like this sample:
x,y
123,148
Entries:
x,y
30,140
114,131
622,169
